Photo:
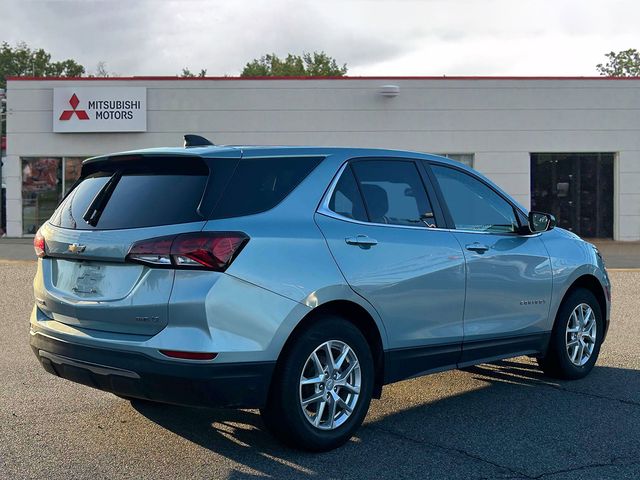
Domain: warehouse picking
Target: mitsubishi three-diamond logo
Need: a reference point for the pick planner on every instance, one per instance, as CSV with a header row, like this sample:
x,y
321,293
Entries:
x,y
67,114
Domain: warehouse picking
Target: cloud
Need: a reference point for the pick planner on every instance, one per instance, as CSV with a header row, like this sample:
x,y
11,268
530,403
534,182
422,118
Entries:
x,y
224,39
374,37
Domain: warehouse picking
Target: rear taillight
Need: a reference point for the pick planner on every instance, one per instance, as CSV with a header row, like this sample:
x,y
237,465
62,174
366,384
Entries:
x,y
39,245
155,251
201,250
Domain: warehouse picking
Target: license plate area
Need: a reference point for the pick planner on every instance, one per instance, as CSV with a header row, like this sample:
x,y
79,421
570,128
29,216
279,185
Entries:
x,y
89,280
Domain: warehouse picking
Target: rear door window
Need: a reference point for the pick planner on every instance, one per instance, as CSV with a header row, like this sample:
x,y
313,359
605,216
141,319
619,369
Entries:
x,y
394,193
346,199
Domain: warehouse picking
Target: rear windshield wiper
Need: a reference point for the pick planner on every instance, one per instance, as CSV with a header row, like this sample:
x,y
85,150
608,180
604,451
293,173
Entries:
x,y
99,202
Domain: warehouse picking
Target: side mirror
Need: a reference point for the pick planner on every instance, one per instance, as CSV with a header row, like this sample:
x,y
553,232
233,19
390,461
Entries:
x,y
541,222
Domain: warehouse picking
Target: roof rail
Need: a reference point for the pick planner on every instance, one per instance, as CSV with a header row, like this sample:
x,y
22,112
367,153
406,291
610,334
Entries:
x,y
191,140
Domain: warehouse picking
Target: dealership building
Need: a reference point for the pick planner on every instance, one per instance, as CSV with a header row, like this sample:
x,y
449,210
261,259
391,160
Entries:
x,y
569,146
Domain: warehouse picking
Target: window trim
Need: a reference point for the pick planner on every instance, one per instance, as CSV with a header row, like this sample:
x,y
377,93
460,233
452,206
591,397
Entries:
x,y
519,213
430,190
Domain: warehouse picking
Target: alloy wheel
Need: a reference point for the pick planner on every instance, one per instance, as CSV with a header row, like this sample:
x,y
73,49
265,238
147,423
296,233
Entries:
x,y
581,334
330,385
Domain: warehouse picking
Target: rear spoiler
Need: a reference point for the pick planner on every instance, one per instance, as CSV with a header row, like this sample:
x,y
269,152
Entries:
x,y
119,160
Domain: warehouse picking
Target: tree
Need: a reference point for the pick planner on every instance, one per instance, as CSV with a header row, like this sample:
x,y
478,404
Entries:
x,y
21,61
622,64
101,69
186,73
316,64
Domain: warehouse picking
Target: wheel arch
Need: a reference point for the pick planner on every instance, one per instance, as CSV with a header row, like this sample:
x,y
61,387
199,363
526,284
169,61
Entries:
x,y
360,318
590,282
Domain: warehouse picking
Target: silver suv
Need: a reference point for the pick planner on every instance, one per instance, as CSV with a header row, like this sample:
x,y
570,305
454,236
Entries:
x,y
301,280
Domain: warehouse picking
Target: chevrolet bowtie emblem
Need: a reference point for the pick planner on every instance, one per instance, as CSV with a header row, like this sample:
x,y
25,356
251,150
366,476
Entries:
x,y
76,248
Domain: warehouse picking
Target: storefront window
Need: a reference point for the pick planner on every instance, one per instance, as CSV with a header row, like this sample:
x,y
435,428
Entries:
x,y
41,189
45,181
72,167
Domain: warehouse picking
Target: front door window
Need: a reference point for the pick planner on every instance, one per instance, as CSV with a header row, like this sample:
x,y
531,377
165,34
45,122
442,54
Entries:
x,y
473,205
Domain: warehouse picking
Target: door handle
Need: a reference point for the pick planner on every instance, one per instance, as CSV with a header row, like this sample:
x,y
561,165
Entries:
x,y
477,247
361,241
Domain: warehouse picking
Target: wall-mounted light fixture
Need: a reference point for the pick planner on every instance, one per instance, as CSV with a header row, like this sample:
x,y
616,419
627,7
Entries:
x,y
389,90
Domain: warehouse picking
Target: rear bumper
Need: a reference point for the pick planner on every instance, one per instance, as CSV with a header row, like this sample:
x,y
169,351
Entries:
x,y
241,385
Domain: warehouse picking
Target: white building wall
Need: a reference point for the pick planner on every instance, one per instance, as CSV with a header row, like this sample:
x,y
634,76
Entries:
x,y
499,120
12,178
627,196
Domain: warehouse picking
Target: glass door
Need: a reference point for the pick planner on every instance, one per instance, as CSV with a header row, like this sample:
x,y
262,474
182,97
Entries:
x,y
577,188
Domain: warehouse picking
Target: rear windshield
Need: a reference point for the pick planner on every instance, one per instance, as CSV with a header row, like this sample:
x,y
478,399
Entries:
x,y
140,196
171,191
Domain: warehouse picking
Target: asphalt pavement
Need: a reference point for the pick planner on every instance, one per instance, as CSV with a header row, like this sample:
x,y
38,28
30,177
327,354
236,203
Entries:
x,y
500,420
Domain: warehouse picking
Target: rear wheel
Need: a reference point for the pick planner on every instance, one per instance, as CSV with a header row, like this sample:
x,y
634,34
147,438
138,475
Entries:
x,y
576,338
322,389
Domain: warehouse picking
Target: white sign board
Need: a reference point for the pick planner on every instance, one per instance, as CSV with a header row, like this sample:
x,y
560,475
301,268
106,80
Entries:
x,y
99,109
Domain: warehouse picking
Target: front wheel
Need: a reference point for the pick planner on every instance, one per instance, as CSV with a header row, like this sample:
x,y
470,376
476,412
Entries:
x,y
576,338
322,389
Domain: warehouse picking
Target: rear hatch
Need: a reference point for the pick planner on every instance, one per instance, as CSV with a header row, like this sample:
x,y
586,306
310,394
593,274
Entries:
x,y
84,279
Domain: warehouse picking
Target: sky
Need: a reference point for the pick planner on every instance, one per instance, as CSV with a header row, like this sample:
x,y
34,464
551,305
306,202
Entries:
x,y
373,37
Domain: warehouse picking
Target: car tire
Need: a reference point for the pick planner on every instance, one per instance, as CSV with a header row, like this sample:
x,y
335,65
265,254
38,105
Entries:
x,y
312,427
566,357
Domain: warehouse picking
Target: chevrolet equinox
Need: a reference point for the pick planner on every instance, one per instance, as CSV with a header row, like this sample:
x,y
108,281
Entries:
x,y
300,280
